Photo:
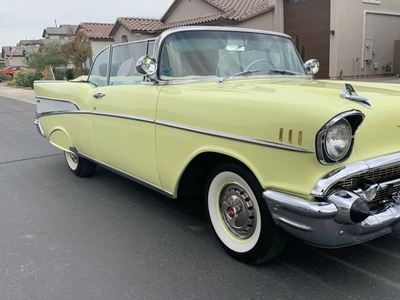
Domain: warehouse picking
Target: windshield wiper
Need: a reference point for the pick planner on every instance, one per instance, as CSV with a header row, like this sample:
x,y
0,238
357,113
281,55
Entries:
x,y
243,73
285,72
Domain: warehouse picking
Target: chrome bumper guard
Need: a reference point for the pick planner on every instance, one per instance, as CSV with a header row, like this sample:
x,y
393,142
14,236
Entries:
x,y
330,224
38,127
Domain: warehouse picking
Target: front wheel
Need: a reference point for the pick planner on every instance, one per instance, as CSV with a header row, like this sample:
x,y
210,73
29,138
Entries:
x,y
240,217
80,166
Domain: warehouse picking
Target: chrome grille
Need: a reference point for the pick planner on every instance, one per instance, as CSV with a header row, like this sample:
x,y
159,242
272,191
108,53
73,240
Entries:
x,y
383,174
386,194
377,175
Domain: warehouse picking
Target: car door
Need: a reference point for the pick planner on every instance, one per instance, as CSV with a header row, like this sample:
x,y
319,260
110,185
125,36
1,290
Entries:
x,y
123,115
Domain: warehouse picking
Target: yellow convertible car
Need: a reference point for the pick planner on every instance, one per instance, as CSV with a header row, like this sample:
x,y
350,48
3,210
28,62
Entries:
x,y
236,115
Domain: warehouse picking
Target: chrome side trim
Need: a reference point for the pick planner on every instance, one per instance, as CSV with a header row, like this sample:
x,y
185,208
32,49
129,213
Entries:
x,y
123,116
354,169
234,137
58,112
49,106
120,116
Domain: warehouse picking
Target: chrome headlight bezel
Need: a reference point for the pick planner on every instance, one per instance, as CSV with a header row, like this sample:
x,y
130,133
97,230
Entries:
x,y
343,126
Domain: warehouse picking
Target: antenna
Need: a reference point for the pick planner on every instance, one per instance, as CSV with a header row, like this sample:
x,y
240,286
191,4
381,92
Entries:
x,y
55,22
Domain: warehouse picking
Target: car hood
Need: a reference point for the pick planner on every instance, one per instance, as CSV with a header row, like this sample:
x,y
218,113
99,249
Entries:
x,y
380,131
320,100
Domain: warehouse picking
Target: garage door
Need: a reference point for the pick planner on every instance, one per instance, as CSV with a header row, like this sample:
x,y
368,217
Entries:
x,y
308,23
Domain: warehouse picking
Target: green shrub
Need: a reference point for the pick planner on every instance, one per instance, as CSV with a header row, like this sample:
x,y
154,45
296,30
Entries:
x,y
85,71
69,74
4,76
59,74
26,78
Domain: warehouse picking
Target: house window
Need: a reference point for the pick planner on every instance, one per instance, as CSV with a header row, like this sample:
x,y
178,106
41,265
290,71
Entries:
x,y
293,1
124,39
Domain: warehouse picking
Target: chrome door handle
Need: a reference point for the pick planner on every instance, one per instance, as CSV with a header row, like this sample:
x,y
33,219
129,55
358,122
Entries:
x,y
99,95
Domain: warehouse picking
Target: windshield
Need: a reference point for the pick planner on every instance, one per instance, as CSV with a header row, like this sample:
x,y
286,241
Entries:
x,y
197,54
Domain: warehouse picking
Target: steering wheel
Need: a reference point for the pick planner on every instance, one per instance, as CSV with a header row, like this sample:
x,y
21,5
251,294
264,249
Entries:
x,y
261,60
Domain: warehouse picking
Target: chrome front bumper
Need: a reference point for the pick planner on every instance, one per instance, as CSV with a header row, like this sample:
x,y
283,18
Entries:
x,y
327,225
340,215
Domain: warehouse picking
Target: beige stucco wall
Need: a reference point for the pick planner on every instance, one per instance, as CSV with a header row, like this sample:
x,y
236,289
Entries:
x,y
188,9
263,22
354,22
97,46
15,61
131,36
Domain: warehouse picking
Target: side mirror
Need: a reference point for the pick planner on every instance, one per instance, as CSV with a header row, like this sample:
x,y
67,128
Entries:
x,y
146,65
312,66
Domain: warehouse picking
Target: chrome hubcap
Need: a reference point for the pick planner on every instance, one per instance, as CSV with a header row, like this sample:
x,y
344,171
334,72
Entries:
x,y
74,157
236,209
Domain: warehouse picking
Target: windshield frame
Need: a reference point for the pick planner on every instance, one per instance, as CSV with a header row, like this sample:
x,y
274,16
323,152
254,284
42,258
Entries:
x,y
160,41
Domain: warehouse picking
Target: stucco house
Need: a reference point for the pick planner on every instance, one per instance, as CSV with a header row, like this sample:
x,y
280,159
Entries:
x,y
13,56
61,33
18,55
251,14
98,35
349,38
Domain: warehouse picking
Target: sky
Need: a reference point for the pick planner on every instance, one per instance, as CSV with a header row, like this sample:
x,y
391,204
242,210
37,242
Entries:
x,y
26,19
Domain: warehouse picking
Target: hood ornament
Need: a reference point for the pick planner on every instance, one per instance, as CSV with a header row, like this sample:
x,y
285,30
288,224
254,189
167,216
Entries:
x,y
350,94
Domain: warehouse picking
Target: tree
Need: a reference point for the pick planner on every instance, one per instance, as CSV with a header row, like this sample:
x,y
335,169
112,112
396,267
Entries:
x,y
48,55
77,50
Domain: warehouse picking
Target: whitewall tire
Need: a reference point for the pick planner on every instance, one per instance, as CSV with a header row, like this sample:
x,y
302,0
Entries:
x,y
80,166
240,217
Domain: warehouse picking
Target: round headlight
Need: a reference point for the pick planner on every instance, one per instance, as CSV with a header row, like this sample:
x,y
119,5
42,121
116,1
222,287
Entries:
x,y
338,140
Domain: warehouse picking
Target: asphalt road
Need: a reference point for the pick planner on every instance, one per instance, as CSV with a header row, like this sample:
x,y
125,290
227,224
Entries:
x,y
63,237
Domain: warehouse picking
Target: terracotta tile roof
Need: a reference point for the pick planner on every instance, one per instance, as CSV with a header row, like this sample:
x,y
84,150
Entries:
x,y
96,30
232,10
239,10
194,21
140,24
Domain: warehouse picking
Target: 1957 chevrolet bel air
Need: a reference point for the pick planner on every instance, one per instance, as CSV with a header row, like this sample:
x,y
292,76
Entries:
x,y
235,114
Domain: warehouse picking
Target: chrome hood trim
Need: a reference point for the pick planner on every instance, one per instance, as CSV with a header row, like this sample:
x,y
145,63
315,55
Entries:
x,y
350,94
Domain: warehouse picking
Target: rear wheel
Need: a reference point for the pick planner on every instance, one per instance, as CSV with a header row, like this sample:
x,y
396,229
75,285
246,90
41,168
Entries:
x,y
78,165
240,217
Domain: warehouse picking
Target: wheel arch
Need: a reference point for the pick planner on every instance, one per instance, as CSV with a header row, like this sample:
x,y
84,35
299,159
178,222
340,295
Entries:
x,y
194,177
60,139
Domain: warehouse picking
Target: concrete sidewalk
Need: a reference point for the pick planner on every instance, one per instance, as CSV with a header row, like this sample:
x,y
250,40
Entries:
x,y
21,94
